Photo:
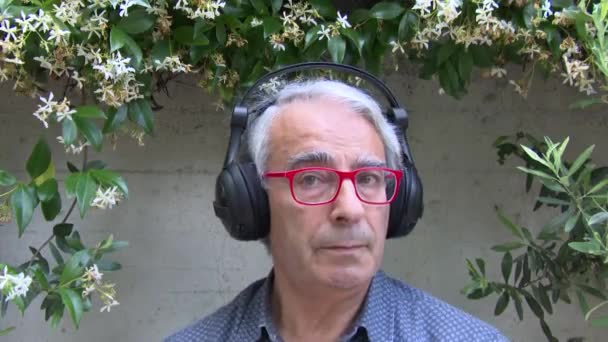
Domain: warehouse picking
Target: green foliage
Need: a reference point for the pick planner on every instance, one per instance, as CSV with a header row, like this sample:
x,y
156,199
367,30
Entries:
x,y
569,255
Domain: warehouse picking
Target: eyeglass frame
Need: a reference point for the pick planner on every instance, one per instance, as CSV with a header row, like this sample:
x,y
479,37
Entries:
x,y
342,175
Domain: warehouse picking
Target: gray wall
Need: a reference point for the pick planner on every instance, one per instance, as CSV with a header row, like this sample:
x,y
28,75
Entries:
x,y
181,265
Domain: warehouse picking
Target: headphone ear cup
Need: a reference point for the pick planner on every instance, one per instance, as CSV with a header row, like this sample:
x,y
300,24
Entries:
x,y
241,202
407,207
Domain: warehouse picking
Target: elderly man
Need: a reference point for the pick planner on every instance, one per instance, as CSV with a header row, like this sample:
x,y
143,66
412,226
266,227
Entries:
x,y
330,164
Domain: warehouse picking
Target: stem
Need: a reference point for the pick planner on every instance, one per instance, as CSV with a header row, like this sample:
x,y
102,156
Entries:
x,y
588,314
67,215
8,192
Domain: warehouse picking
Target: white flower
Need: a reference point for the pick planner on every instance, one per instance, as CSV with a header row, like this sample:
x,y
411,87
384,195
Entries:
x,y
43,112
58,35
277,46
88,290
65,114
5,26
498,72
3,278
323,32
109,305
106,199
19,284
448,9
256,22
93,273
343,21
424,6
546,9
397,46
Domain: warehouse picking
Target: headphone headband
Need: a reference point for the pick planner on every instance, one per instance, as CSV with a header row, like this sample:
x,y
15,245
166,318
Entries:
x,y
325,65
240,113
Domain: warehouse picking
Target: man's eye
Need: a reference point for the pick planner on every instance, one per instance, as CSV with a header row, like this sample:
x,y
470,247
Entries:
x,y
368,178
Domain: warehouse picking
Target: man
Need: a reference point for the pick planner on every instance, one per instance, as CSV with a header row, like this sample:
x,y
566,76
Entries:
x,y
330,164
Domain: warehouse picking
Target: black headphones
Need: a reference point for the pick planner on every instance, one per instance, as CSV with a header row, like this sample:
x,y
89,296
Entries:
x,y
241,202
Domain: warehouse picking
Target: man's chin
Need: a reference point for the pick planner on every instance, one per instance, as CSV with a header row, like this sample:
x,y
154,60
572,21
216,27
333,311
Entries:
x,y
348,277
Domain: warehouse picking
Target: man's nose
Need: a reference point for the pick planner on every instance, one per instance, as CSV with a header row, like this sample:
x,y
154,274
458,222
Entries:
x,y
347,207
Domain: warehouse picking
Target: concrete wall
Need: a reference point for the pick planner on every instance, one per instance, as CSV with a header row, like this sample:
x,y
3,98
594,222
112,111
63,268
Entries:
x,y
181,265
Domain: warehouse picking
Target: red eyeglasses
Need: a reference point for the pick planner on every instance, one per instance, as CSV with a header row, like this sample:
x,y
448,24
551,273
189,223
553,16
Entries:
x,y
321,185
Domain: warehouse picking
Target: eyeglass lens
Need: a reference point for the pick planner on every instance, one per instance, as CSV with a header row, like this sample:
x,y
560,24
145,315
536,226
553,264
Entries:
x,y
317,186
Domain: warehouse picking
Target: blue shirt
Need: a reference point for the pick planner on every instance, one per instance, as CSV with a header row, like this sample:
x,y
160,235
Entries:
x,y
392,311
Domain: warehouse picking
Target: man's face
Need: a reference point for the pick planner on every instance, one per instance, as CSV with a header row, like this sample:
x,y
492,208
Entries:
x,y
339,244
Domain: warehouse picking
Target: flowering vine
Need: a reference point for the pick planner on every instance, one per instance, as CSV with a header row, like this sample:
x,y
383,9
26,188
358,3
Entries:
x,y
113,56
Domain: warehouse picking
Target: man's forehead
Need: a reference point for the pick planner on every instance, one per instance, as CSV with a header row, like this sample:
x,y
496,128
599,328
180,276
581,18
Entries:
x,y
328,158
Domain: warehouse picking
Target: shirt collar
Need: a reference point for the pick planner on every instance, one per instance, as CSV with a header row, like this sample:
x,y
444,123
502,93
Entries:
x,y
258,316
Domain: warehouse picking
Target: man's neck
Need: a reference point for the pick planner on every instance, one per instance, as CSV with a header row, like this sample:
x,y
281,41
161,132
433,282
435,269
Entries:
x,y
304,313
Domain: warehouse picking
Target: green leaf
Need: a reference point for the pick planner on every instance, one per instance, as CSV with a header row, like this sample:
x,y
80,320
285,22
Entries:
x,y
116,245
518,307
535,156
51,208
534,306
259,6
502,303
95,165
47,190
105,265
311,36
595,188
515,230
536,173
561,3
69,131
582,302
141,113
119,39
445,51
160,51
509,246
111,178
407,26
547,331
336,46
465,65
73,303
39,159
276,5
220,33
598,218
74,267
571,223
70,184
324,7
137,21
86,188
354,37
63,229
6,179
271,25
506,266
580,160
529,12
592,291
23,202
56,253
90,131
89,112
115,118
6,331
482,55
386,10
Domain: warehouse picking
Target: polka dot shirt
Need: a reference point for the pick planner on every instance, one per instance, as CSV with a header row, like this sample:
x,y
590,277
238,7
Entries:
x,y
392,311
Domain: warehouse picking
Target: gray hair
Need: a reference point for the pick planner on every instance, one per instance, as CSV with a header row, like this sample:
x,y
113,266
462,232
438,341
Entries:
x,y
258,138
